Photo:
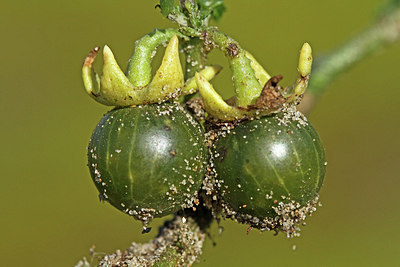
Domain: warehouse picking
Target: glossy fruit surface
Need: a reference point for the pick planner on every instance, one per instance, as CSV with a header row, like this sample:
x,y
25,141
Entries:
x,y
148,161
269,161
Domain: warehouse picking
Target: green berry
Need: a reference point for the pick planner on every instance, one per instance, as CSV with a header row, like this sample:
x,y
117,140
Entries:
x,y
148,161
269,162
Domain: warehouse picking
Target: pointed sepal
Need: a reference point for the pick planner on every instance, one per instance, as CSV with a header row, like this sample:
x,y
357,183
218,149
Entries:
x,y
260,73
213,102
91,79
139,65
114,85
112,88
208,73
168,80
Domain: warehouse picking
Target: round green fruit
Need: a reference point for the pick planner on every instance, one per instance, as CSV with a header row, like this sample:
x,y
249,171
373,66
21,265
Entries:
x,y
148,161
269,162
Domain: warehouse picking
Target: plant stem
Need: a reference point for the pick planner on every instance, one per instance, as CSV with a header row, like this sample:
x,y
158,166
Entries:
x,y
179,243
196,57
383,32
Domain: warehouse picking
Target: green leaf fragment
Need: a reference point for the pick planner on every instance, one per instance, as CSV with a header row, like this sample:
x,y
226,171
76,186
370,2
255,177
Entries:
x,y
166,7
218,10
214,7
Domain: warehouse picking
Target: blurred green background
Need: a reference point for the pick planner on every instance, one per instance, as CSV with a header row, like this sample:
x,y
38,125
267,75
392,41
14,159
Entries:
x,y
50,213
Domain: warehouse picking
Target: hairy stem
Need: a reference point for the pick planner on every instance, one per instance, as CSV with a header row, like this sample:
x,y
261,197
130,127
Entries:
x,y
179,243
195,57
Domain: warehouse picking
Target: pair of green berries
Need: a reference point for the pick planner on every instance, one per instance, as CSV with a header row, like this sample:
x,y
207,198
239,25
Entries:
x,y
149,156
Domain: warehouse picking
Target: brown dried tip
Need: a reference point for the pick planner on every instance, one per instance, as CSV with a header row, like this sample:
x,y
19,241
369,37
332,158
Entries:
x,y
270,97
92,55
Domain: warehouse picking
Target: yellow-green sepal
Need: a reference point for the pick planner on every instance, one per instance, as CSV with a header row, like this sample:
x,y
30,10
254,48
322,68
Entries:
x,y
208,73
91,79
168,80
260,73
113,88
213,102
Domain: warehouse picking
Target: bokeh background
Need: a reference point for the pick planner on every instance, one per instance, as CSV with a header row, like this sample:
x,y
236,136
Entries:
x,y
50,213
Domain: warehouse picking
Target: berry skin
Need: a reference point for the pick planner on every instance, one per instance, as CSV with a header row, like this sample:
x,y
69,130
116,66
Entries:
x,y
269,161
148,161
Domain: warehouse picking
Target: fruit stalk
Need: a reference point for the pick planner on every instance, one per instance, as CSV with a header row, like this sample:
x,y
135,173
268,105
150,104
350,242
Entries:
x,y
247,87
196,57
